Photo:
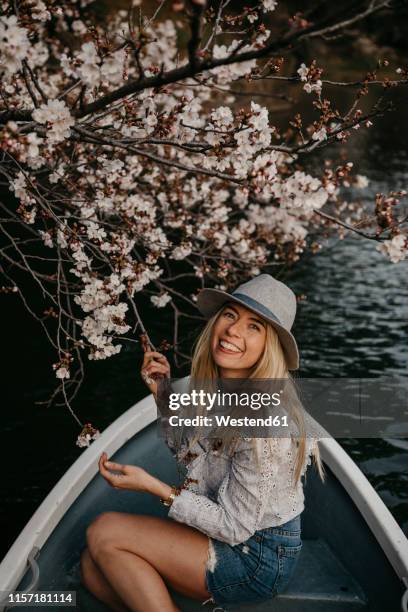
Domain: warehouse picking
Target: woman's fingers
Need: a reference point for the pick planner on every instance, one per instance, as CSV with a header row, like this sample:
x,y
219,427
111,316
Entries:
x,y
156,368
102,461
128,477
111,465
155,365
115,466
104,472
112,479
154,356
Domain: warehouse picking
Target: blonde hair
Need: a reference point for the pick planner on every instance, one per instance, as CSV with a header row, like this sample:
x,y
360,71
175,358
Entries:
x,y
271,365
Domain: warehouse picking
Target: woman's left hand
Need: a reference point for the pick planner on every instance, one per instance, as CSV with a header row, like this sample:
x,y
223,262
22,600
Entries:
x,y
130,477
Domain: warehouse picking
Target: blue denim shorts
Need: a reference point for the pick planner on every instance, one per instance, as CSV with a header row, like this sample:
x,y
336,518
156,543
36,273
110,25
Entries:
x,y
257,569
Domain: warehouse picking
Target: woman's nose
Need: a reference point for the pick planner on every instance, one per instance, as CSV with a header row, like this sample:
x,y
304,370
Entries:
x,y
234,329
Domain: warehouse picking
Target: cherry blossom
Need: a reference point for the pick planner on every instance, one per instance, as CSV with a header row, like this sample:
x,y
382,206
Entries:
x,y
135,165
62,373
39,11
56,114
14,46
87,436
269,5
320,134
310,77
361,181
89,70
395,249
160,300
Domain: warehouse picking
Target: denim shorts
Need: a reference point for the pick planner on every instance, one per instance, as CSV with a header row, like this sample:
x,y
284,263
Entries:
x,y
257,569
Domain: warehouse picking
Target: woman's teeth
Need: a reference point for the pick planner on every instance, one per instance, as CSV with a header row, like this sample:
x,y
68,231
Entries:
x,y
229,347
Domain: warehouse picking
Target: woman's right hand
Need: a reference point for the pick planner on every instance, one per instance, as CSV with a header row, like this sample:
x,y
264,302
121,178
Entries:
x,y
154,367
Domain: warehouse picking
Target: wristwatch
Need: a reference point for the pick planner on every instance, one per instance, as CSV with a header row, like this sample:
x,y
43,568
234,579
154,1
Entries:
x,y
170,499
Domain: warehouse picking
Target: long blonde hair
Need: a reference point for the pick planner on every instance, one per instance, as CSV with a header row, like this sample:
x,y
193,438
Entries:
x,y
271,365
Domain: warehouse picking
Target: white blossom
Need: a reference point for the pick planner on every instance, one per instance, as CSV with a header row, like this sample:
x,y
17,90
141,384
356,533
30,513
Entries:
x,y
361,181
79,27
84,441
310,87
182,251
259,119
95,231
57,115
160,300
320,134
231,72
303,71
66,65
112,67
269,5
89,70
103,321
47,238
19,186
30,216
62,373
58,173
191,114
37,56
14,45
300,191
61,239
395,249
128,211
39,11
82,261
33,144
87,435
222,116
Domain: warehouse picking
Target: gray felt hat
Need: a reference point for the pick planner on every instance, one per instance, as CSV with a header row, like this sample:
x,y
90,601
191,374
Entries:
x,y
266,296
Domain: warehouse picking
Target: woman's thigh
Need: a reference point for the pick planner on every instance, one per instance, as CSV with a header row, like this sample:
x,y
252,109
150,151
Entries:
x,y
178,552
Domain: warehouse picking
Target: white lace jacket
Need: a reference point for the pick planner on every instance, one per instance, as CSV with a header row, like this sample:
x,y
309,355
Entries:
x,y
229,498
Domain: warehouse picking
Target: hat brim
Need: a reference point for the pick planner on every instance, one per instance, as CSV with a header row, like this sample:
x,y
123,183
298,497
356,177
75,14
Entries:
x,y
209,302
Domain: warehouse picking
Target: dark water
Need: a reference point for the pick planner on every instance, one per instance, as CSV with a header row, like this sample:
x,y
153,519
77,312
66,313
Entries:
x,y
354,322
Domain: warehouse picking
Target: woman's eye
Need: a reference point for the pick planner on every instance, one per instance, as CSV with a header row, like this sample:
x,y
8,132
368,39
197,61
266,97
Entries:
x,y
254,326
230,314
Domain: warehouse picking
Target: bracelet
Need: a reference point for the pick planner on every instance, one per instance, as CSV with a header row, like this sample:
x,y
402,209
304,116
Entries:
x,y
171,497
177,490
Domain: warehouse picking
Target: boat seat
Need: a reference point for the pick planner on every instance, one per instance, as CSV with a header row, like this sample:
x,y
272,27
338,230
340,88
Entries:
x,y
321,584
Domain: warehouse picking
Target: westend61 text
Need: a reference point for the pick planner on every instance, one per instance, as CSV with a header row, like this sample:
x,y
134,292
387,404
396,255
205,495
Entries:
x,y
227,421
203,398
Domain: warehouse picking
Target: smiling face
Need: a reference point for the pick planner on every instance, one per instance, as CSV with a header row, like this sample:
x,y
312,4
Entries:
x,y
238,340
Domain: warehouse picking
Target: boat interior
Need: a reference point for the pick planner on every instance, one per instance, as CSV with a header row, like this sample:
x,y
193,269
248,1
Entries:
x,y
341,568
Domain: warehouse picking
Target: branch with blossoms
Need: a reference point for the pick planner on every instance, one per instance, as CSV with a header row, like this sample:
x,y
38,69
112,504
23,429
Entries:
x,y
135,173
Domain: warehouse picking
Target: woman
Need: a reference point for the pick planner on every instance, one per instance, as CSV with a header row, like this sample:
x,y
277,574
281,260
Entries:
x,y
233,532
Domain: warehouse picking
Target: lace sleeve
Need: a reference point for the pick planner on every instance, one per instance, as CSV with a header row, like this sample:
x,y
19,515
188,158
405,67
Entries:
x,y
242,496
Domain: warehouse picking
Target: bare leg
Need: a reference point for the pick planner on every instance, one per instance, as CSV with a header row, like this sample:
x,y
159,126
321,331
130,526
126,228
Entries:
x,y
138,555
138,583
96,583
